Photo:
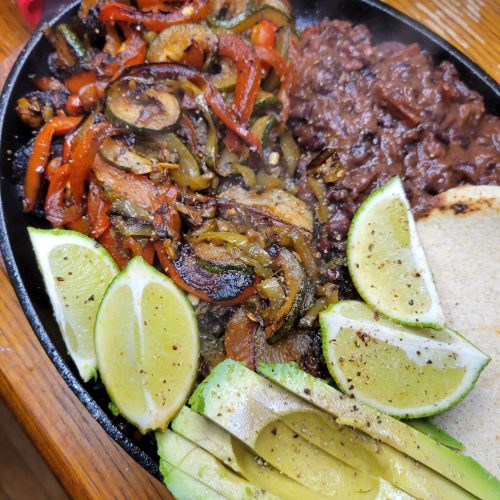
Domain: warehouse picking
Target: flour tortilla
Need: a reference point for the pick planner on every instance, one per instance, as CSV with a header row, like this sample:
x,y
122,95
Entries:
x,y
462,242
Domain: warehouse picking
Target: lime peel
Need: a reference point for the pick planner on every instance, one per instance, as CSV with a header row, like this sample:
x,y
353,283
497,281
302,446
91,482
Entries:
x,y
406,373
387,262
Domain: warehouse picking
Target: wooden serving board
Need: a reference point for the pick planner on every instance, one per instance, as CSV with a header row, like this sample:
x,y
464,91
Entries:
x,y
87,462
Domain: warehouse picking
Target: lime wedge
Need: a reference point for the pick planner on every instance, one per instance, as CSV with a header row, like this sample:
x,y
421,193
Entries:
x,y
76,272
387,262
402,371
147,345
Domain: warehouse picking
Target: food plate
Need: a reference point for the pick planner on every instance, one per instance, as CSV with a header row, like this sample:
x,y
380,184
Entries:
x,y
385,24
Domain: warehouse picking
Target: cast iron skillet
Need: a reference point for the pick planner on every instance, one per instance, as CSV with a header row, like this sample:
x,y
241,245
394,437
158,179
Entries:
x,y
384,22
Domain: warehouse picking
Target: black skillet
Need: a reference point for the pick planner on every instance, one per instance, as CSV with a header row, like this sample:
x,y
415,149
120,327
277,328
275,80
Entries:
x,y
384,22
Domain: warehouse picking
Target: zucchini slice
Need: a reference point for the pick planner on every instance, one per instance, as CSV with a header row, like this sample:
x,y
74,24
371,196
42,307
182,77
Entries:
x,y
72,41
262,128
230,8
217,259
189,173
225,80
142,106
220,286
172,43
296,284
123,156
266,101
253,15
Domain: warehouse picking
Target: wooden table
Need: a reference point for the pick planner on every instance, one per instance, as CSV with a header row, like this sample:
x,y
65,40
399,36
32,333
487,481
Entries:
x,y
87,462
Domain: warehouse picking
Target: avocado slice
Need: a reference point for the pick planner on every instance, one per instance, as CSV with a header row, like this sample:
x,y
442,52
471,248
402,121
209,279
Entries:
x,y
237,456
183,486
345,444
227,403
462,470
187,457
206,435
436,433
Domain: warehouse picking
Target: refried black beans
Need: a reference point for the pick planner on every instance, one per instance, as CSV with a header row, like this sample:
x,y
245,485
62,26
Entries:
x,y
388,110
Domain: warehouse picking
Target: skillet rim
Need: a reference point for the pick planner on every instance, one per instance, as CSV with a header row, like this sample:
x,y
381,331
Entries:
x,y
10,262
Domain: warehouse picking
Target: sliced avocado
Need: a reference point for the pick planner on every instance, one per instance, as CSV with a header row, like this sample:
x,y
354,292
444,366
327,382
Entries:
x,y
436,433
237,456
462,470
270,438
207,435
204,468
183,486
348,445
259,472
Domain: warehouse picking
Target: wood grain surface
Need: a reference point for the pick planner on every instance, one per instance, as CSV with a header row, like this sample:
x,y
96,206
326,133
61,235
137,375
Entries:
x,y
87,462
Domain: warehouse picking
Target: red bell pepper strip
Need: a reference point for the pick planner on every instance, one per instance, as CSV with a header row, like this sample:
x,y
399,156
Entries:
x,y
74,105
75,82
197,10
52,167
113,41
144,4
137,189
109,241
239,339
193,57
227,116
249,71
264,34
169,267
97,208
59,125
83,157
45,83
129,53
274,58
81,225
132,245
134,47
232,143
148,253
56,211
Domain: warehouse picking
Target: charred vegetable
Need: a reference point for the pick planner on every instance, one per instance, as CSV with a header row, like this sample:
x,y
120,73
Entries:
x,y
217,259
296,284
277,202
239,339
252,15
174,43
267,102
37,108
262,128
70,50
229,287
189,173
122,155
72,42
211,351
225,79
142,105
